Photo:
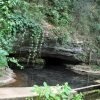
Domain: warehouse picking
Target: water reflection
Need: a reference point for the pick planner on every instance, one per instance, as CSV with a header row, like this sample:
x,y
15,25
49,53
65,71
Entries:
x,y
53,75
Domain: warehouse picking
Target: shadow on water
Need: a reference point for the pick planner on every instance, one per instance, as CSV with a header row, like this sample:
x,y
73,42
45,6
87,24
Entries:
x,y
52,74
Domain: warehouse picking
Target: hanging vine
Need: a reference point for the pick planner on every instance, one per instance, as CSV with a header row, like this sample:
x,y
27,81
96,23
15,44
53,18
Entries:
x,y
15,20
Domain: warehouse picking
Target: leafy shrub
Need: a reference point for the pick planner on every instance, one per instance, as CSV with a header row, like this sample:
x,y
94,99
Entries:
x,y
36,12
62,36
58,12
45,93
3,59
15,19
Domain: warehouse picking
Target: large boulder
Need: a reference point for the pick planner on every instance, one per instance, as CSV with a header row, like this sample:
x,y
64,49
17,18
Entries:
x,y
6,76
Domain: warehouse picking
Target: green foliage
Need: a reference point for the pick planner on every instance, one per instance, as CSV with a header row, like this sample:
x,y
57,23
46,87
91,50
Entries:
x,y
95,67
3,59
97,26
92,91
5,26
78,97
46,93
94,94
15,19
36,12
39,61
29,28
20,17
98,38
62,37
58,12
13,60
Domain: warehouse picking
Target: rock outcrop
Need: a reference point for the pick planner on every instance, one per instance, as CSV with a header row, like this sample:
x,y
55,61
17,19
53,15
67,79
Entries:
x,y
72,52
54,54
7,76
61,55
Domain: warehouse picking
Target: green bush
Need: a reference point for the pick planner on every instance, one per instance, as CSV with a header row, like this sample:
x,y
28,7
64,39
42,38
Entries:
x,y
57,12
3,59
63,93
62,37
15,19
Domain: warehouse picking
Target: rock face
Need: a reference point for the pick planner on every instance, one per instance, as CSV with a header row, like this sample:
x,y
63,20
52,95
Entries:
x,y
7,76
61,55
51,51
85,70
54,54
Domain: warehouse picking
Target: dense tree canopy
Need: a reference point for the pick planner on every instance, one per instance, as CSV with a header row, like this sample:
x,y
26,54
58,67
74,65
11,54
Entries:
x,y
20,17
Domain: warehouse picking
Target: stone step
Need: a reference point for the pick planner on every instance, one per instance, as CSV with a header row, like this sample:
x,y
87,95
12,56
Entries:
x,y
20,93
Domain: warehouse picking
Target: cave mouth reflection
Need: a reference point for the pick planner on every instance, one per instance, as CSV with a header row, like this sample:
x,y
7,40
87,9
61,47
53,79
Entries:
x,y
53,74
